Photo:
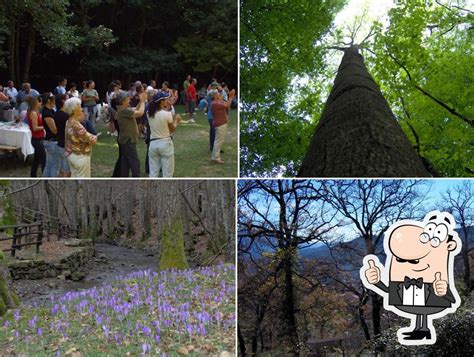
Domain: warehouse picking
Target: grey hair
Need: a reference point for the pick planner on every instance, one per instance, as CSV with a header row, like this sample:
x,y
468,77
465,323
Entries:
x,y
71,104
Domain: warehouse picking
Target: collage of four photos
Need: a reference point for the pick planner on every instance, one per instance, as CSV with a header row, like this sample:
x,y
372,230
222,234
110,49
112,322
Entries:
x,y
236,178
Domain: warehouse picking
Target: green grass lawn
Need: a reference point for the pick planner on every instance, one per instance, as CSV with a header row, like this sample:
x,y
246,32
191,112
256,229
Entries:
x,y
192,154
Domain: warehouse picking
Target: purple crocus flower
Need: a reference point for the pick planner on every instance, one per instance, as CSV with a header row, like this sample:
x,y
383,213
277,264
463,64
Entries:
x,y
32,322
145,348
118,340
106,330
146,331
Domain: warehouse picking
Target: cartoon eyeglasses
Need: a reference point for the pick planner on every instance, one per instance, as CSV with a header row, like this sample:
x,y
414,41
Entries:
x,y
434,233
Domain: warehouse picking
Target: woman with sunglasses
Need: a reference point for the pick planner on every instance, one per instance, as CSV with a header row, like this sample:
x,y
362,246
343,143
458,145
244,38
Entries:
x,y
50,142
35,122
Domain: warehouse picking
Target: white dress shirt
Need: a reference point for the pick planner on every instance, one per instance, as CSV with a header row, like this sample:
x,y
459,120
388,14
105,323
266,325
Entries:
x,y
414,296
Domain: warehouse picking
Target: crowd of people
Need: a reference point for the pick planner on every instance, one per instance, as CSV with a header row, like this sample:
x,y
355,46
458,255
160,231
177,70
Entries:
x,y
63,123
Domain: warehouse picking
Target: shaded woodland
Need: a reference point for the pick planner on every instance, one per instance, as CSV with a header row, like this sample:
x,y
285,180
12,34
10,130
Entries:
x,y
43,41
300,248
136,213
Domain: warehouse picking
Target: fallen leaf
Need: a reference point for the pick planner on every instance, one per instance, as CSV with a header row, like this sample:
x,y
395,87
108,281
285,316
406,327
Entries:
x,y
70,351
183,351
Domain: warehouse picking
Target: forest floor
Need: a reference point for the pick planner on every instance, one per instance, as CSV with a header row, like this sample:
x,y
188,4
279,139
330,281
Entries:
x,y
111,261
191,146
124,307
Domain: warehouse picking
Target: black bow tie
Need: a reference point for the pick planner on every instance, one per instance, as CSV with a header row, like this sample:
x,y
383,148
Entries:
x,y
409,282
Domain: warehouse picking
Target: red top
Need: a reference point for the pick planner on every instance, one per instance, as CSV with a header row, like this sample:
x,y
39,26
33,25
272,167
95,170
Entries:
x,y
40,134
192,94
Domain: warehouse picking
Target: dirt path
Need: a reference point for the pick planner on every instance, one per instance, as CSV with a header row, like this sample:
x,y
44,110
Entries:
x,y
110,261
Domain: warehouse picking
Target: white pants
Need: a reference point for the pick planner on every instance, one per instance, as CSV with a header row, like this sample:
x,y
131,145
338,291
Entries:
x,y
161,156
219,141
80,165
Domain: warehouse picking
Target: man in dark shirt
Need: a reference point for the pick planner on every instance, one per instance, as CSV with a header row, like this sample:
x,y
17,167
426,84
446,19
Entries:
x,y
60,118
50,141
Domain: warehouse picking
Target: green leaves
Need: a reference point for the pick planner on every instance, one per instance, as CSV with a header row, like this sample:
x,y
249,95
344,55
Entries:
x,y
432,43
422,54
211,43
280,45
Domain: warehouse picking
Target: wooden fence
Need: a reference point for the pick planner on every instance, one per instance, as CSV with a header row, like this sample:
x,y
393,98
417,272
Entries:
x,y
38,226
24,235
52,224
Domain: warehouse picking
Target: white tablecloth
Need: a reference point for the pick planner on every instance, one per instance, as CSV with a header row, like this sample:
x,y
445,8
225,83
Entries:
x,y
19,136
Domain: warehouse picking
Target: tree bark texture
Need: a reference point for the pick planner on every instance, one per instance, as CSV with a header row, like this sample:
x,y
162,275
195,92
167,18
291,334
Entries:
x,y
289,307
465,257
358,135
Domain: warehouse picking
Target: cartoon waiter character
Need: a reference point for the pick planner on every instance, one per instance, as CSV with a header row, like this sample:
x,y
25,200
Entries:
x,y
417,280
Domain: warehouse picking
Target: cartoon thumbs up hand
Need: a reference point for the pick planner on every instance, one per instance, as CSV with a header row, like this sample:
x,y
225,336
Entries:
x,y
373,273
440,286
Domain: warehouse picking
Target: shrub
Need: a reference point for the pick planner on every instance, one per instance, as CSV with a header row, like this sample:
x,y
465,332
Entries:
x,y
453,337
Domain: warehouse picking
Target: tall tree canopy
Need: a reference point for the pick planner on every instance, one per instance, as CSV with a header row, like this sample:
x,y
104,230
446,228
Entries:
x,y
40,41
418,54
278,42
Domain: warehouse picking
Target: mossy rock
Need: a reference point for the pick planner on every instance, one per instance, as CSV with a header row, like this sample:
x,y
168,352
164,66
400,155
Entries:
x,y
2,256
173,253
8,298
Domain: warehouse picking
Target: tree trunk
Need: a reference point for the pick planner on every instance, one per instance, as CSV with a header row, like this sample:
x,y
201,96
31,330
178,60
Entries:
x,y
82,202
17,53
11,46
30,49
243,351
289,311
8,298
358,135
376,300
361,311
376,310
465,258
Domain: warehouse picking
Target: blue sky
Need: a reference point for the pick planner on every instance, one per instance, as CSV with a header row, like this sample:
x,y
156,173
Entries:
x,y
434,189
439,186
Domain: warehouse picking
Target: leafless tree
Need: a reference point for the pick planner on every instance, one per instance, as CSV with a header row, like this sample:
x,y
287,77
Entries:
x,y
276,219
460,202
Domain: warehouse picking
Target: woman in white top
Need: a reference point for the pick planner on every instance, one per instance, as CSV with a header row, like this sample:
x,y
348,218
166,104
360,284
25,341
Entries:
x,y
73,92
162,125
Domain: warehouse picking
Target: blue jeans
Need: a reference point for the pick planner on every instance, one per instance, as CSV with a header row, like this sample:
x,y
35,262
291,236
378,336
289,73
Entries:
x,y
63,163
53,158
91,115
